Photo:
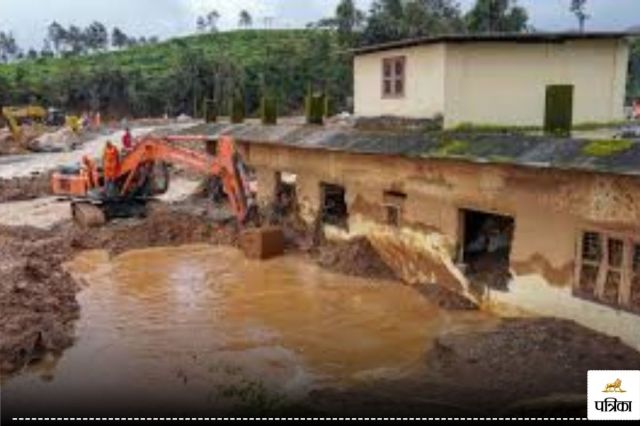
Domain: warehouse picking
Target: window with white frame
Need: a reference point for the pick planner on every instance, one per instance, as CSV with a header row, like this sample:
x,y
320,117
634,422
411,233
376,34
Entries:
x,y
393,77
608,269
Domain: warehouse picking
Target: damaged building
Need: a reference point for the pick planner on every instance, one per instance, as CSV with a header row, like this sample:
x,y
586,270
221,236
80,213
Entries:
x,y
518,223
527,223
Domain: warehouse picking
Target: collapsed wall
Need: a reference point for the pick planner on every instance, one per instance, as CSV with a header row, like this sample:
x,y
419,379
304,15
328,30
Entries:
x,y
425,217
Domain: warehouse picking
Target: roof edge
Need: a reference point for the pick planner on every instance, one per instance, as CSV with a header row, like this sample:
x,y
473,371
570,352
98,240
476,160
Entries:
x,y
541,37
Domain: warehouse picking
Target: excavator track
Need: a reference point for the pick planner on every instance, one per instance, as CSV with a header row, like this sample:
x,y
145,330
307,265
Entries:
x,y
87,215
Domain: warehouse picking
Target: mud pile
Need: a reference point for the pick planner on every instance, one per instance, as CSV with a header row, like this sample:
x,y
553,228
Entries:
x,y
355,257
37,298
533,367
162,228
532,357
25,188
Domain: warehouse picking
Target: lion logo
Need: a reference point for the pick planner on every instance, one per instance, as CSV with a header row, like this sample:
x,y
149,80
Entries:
x,y
614,387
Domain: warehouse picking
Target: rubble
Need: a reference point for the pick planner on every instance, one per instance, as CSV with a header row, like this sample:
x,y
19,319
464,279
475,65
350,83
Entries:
x,y
58,141
354,257
25,188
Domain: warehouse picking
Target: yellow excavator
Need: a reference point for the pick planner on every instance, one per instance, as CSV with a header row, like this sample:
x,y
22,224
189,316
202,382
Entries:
x,y
16,116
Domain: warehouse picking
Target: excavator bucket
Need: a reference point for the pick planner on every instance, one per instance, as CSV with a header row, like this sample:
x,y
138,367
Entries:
x,y
262,243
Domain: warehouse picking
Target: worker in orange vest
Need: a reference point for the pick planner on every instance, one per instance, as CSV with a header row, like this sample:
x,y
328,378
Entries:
x,y
111,167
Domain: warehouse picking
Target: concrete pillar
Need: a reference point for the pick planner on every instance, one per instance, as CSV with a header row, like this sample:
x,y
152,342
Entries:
x,y
309,197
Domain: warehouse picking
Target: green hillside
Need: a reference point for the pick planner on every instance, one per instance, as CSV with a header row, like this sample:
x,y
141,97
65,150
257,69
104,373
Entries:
x,y
175,76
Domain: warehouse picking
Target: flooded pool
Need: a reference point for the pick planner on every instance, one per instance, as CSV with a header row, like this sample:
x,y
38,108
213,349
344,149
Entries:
x,y
198,326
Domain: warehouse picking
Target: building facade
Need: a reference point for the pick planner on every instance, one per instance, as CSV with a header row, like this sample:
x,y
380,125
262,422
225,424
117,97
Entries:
x,y
570,239
494,80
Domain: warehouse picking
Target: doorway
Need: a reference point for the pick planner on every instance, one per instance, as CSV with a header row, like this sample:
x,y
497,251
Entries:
x,y
334,205
486,248
558,116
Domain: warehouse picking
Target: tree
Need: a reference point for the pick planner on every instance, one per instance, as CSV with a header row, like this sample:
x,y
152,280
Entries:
x,y
75,41
8,47
96,36
57,34
32,54
578,9
201,24
393,19
385,22
502,16
245,20
433,17
118,38
348,20
209,22
46,51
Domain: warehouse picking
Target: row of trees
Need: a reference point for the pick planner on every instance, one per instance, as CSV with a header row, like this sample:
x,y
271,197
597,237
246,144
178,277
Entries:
x,y
389,20
188,75
209,22
94,38
71,41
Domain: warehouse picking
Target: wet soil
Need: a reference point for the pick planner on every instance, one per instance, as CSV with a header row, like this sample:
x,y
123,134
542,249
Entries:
x,y
523,367
540,361
37,298
355,257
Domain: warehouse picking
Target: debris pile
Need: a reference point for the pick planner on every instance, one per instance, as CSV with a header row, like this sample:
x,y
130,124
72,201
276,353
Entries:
x,y
354,257
60,140
549,355
25,188
37,298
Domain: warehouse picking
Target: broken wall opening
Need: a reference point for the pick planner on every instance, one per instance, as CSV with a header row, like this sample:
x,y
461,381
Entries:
x,y
285,194
486,249
393,202
333,205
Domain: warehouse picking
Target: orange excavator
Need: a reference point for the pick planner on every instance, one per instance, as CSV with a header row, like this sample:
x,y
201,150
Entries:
x,y
143,174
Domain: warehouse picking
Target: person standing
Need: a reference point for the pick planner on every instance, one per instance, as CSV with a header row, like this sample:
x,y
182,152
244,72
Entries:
x,y
111,166
127,141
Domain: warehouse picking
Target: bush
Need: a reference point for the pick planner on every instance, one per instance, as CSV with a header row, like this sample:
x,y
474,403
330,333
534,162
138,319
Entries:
x,y
315,108
237,108
209,110
269,110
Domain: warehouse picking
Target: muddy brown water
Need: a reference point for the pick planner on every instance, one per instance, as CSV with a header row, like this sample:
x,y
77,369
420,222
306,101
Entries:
x,y
197,327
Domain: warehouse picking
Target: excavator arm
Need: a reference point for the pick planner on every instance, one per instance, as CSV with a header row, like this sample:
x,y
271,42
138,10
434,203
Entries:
x,y
150,150
226,165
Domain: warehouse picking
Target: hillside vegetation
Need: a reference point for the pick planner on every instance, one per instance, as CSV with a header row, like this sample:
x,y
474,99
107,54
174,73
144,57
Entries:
x,y
177,75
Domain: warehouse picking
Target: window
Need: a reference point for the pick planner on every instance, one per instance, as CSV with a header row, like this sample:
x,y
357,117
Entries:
x,y
608,269
393,77
394,204
334,206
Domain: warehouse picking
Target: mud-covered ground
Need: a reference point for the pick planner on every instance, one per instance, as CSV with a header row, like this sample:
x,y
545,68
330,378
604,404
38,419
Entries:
x,y
524,367
38,298
534,366
511,369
